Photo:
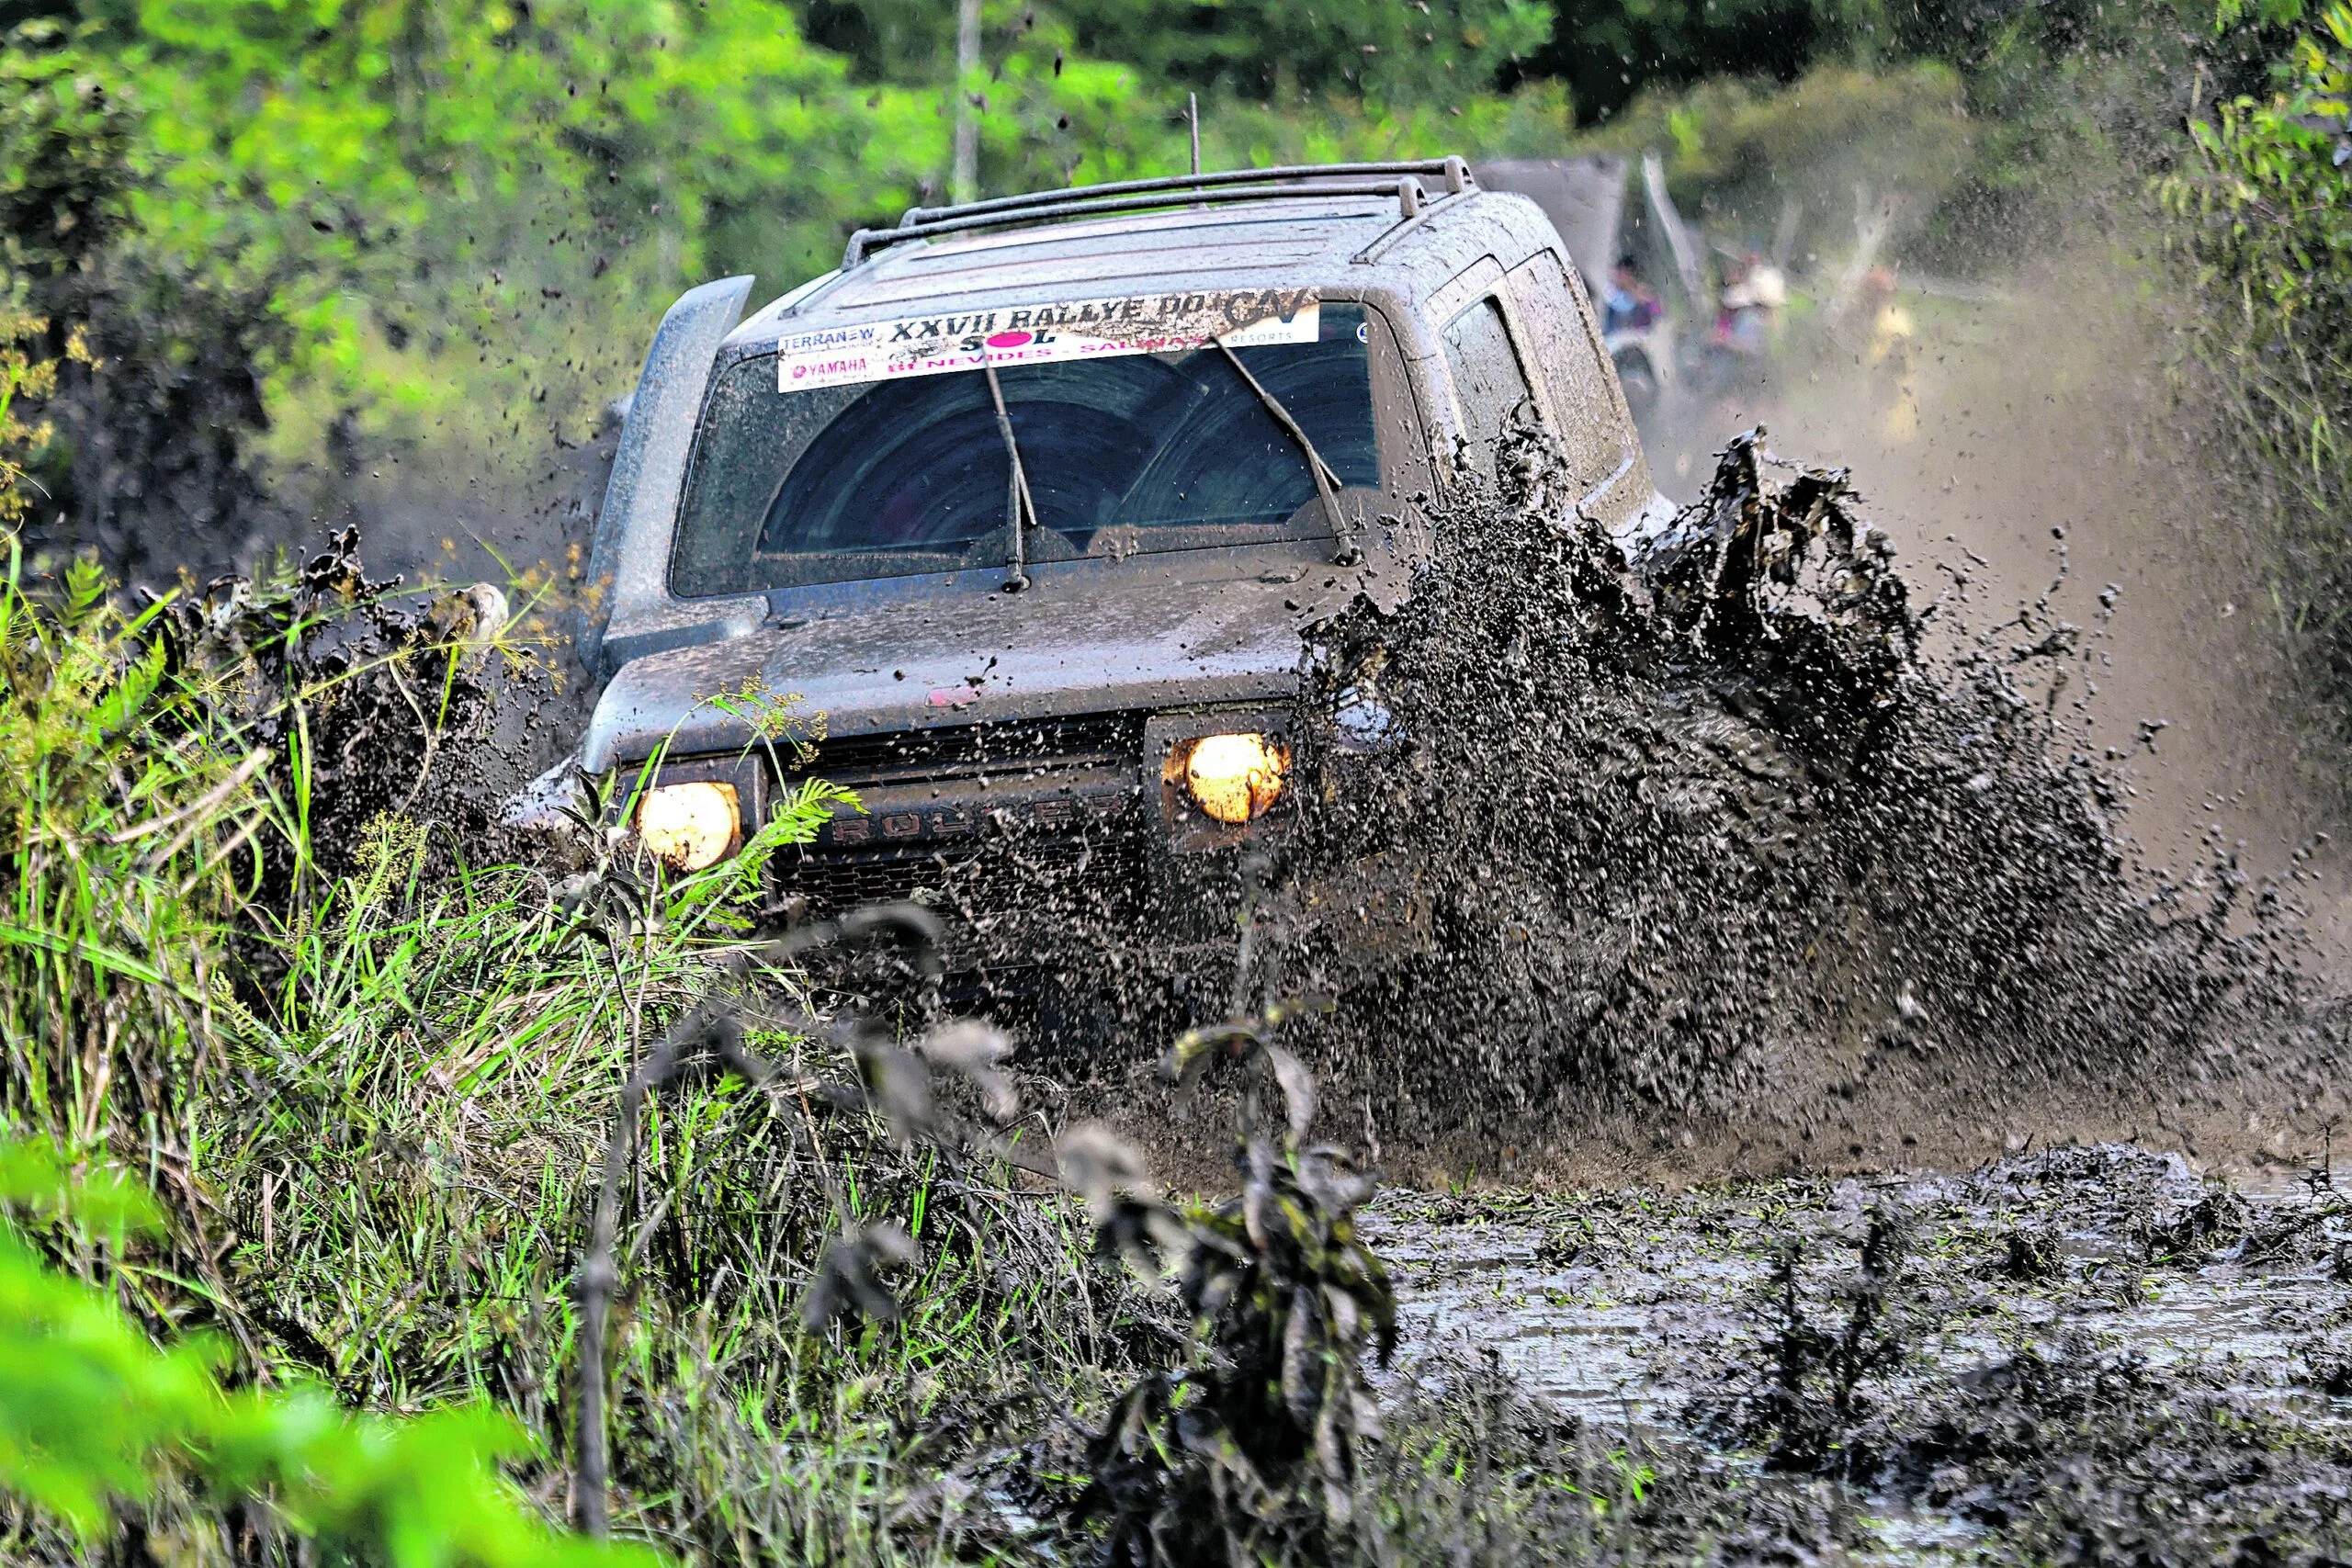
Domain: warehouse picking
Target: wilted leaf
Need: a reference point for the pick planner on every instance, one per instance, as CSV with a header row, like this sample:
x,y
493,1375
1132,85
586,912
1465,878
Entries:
x,y
898,1086
973,1050
1301,1362
849,1282
1097,1164
1130,1222
1257,1190
1329,1177
1297,1085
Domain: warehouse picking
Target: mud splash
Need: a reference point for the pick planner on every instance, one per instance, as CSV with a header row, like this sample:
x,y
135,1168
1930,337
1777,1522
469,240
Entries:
x,y
1705,863
1713,845
376,704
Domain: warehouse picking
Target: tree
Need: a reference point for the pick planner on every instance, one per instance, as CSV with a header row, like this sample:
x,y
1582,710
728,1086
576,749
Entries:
x,y
1608,52
1285,52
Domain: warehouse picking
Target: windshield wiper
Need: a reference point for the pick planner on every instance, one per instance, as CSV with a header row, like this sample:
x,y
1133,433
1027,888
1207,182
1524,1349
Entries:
x,y
1019,509
1326,482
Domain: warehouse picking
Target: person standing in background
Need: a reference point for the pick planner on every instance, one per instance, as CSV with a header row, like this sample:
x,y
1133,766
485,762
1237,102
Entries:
x,y
1627,304
1891,357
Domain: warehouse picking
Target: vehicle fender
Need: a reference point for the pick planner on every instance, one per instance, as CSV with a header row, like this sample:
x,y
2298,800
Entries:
x,y
630,553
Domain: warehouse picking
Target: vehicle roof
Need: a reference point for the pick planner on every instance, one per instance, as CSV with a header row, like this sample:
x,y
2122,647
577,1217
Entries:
x,y
1298,241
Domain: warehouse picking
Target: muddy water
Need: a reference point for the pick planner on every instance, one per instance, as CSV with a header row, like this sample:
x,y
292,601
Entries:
x,y
1652,1314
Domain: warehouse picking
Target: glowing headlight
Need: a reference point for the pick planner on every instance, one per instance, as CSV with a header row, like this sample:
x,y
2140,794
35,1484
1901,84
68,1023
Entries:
x,y
689,825
1234,778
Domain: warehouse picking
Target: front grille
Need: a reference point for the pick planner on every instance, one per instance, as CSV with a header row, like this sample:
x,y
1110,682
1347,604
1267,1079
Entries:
x,y
1039,815
835,884
967,749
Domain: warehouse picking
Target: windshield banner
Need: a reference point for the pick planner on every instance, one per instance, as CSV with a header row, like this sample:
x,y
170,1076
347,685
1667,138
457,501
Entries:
x,y
1043,335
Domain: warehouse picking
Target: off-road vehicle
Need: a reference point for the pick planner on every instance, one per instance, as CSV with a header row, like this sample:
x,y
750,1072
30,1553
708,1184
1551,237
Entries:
x,y
1031,498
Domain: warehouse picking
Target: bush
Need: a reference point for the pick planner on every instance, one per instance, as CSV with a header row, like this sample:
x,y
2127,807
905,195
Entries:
x,y
161,352
2262,222
93,1416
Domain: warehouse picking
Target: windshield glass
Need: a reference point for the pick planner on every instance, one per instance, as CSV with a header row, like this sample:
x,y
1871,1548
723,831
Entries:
x,y
1125,455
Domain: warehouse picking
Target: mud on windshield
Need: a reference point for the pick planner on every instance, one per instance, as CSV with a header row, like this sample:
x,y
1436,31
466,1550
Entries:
x,y
1123,455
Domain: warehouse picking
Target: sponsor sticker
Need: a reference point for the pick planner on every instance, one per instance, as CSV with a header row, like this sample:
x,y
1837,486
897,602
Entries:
x,y
1044,335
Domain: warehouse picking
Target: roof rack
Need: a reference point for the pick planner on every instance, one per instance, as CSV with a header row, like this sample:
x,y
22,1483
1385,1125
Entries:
x,y
1292,183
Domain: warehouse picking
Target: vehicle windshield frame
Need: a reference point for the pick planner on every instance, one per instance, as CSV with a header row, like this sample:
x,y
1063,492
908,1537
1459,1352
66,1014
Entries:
x,y
1391,397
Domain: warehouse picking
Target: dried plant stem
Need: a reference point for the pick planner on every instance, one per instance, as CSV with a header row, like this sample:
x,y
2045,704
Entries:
x,y
701,1036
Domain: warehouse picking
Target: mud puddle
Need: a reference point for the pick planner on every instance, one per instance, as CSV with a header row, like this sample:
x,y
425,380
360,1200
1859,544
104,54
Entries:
x,y
2015,1319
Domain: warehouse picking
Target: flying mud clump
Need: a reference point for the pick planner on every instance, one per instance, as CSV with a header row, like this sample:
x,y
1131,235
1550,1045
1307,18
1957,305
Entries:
x,y
379,702
1712,836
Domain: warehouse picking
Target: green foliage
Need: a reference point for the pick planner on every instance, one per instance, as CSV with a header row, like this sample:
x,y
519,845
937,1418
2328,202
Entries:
x,y
1968,135
1741,155
67,145
23,381
2275,13
2270,202
159,351
452,185
1608,53
1288,52
1980,35
2262,220
94,1416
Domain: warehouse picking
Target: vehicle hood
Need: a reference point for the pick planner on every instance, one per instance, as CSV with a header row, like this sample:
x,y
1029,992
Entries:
x,y
1146,632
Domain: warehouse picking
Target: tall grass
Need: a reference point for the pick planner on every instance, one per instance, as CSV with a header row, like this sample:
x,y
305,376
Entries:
x,y
371,1083
125,807
441,1067
2259,213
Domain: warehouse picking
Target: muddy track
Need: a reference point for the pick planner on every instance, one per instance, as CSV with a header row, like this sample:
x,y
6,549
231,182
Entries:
x,y
2084,1355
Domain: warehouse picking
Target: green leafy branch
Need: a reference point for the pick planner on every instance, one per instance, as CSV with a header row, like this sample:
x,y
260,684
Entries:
x,y
95,1419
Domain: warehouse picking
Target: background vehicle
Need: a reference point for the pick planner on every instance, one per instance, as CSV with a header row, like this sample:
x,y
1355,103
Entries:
x,y
1031,497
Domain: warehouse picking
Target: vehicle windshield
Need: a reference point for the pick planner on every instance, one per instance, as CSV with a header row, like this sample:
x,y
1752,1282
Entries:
x,y
1125,455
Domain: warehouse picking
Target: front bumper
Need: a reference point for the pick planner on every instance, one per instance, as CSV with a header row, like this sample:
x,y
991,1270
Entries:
x,y
1069,820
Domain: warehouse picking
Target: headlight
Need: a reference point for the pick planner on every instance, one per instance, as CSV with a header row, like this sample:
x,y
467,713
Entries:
x,y
1233,778
689,825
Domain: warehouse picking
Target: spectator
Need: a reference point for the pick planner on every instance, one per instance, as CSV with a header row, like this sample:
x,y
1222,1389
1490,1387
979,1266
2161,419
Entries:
x,y
1628,304
1890,354
1754,292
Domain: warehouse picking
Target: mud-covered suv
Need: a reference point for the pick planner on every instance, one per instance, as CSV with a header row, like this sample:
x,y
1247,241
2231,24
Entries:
x,y
1031,498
